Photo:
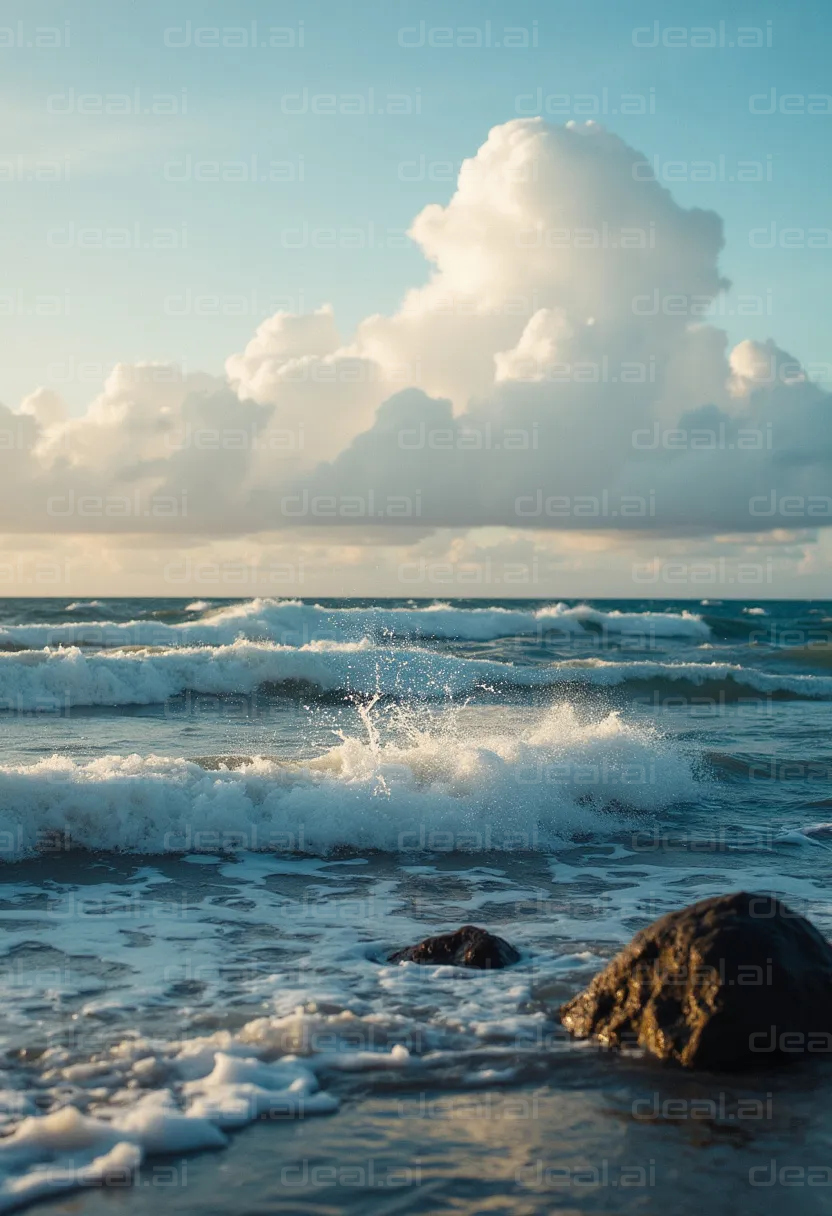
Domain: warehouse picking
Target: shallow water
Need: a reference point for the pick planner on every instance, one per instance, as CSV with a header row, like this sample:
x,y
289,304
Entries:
x,y
210,847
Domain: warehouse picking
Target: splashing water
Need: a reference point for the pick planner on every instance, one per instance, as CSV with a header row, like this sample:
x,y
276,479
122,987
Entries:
x,y
365,713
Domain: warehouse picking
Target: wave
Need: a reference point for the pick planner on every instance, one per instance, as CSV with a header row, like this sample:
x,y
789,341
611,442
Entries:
x,y
768,767
813,654
85,605
292,622
46,680
444,788
714,681
54,680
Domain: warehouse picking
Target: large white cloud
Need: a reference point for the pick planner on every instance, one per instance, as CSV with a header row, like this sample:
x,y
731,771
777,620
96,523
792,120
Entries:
x,y
557,357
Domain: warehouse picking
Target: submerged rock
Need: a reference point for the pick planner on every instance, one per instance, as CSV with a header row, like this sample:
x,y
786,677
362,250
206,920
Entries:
x,y
465,947
729,982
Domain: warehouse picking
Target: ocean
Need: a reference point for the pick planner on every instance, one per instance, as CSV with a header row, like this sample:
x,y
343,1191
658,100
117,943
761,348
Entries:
x,y
218,818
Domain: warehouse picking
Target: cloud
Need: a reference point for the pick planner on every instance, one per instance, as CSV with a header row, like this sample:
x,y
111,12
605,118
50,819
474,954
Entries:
x,y
557,371
320,389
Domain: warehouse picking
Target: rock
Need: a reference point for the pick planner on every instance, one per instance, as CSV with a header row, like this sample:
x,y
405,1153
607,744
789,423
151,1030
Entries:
x,y
465,947
726,983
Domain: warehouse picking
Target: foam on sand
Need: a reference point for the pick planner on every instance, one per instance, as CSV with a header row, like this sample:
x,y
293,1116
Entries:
x,y
65,1150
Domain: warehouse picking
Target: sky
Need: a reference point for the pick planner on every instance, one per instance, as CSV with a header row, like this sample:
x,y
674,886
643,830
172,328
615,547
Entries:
x,y
415,299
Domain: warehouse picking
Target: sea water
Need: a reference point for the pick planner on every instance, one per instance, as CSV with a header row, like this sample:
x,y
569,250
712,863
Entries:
x,y
218,819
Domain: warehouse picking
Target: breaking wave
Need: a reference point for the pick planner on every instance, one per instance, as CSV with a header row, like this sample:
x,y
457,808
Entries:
x,y
54,680
442,787
294,623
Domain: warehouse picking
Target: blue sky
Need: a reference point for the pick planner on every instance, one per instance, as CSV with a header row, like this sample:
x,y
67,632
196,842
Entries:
x,y
190,184
126,170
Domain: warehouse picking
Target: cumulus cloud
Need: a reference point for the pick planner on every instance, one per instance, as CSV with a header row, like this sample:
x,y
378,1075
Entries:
x,y
47,408
556,371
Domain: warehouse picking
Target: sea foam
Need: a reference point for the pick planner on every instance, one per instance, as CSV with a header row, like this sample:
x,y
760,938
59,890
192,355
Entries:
x,y
294,623
57,680
445,787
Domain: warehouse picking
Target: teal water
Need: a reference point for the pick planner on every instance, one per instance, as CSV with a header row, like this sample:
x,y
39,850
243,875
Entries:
x,y
217,819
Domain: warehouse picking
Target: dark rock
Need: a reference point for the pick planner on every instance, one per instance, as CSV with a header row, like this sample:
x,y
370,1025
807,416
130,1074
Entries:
x,y
465,947
727,983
